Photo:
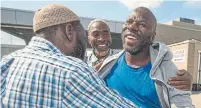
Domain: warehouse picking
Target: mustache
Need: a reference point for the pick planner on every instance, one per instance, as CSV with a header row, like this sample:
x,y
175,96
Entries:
x,y
136,33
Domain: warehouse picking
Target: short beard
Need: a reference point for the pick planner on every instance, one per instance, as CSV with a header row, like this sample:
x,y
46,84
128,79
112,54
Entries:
x,y
78,51
135,51
139,48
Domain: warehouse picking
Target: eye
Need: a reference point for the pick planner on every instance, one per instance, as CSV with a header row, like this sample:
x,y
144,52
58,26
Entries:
x,y
129,21
105,33
143,24
95,34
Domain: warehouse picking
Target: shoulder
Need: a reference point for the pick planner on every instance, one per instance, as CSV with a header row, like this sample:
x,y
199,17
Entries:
x,y
5,58
68,61
108,64
112,57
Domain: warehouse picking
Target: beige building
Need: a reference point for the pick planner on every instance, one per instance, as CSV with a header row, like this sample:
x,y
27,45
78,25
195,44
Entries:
x,y
177,31
183,37
187,55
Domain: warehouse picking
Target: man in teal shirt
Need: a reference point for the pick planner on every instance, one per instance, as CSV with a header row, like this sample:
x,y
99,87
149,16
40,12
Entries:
x,y
141,72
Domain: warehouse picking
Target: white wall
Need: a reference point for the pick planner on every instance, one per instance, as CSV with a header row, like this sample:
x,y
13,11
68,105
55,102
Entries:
x,y
9,39
10,43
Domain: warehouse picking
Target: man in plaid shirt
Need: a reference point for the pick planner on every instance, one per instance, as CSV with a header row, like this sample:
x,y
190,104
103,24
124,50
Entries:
x,y
49,73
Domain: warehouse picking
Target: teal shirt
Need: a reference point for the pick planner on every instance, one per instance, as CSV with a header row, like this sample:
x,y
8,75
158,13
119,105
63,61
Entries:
x,y
134,84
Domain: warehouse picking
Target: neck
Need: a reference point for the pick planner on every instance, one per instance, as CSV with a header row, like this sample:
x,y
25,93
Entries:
x,y
41,35
138,60
44,36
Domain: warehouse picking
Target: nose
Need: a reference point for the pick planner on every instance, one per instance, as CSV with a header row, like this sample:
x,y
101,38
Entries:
x,y
101,39
133,27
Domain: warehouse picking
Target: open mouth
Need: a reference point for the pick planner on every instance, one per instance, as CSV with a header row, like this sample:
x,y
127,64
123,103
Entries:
x,y
131,37
102,46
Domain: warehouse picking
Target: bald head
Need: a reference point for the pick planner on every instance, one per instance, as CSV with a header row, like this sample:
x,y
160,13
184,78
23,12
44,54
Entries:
x,y
148,15
95,21
143,10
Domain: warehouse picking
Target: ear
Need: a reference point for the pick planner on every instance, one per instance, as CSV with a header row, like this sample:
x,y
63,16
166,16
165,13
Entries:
x,y
69,30
153,36
89,37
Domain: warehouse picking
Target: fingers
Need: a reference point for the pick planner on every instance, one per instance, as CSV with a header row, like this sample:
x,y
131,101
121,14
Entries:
x,y
182,81
180,84
182,75
175,83
182,87
179,78
181,72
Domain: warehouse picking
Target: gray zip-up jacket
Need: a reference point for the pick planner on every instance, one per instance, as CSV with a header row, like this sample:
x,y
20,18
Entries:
x,y
162,69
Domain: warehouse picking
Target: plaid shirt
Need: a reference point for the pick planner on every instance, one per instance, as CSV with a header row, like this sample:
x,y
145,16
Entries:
x,y
41,76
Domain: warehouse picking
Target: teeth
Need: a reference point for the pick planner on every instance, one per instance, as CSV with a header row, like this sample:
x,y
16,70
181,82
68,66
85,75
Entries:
x,y
131,37
102,45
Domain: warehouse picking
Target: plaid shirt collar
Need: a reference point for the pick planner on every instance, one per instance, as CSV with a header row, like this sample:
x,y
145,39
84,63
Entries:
x,y
40,43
